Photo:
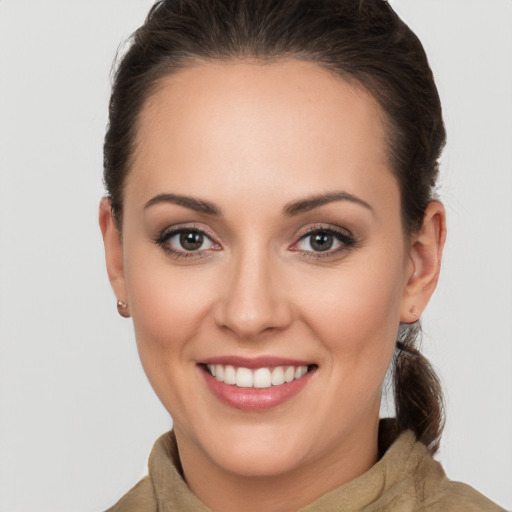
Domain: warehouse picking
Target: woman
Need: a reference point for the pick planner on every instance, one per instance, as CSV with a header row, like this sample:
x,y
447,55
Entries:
x,y
272,229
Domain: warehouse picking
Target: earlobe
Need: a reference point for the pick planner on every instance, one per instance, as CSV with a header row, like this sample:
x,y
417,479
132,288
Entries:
x,y
113,252
425,253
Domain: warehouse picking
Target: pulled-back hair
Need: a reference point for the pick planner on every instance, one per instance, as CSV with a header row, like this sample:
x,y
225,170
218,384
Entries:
x,y
364,42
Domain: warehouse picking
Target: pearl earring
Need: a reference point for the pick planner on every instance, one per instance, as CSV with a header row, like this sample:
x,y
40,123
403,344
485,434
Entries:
x,y
122,309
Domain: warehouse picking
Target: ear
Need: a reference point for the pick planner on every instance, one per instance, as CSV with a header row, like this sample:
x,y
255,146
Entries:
x,y
425,252
113,250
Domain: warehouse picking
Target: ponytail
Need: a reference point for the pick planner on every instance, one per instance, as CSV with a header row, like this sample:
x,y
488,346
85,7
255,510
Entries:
x,y
419,402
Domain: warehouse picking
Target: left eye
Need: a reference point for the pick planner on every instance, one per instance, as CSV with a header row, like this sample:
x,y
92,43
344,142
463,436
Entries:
x,y
322,241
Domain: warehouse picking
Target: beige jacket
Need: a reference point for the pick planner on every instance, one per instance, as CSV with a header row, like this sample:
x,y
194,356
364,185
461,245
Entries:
x,y
405,479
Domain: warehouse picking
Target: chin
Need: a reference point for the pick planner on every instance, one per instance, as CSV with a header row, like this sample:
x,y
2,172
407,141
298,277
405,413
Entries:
x,y
259,463
257,451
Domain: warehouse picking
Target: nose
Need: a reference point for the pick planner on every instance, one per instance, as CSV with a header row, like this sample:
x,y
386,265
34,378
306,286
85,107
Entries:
x,y
253,300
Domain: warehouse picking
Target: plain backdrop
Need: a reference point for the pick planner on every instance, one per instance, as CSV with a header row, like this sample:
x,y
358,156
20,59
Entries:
x,y
77,416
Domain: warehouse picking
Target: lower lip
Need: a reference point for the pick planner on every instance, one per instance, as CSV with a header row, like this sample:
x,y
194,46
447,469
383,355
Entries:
x,y
255,399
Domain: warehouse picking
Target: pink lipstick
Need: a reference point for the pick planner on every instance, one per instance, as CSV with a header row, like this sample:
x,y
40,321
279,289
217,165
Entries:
x,y
257,383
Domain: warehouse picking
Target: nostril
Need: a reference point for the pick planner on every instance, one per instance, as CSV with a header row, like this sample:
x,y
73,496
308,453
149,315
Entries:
x,y
249,320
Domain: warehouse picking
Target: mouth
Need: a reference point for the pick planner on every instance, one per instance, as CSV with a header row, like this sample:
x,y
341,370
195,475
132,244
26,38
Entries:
x,y
256,384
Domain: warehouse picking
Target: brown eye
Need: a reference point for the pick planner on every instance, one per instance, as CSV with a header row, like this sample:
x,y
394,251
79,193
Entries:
x,y
191,240
186,242
321,241
328,241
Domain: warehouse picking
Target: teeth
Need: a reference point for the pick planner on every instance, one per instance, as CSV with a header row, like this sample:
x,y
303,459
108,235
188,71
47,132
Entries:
x,y
244,378
289,374
262,378
259,378
277,376
230,375
300,372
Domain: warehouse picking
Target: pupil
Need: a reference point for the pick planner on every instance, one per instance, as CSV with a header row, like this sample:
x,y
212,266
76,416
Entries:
x,y
191,241
322,242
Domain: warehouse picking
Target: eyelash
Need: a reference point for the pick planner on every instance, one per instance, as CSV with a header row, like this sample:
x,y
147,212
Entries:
x,y
347,241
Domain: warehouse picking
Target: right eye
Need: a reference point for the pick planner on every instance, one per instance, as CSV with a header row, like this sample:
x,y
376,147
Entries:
x,y
186,242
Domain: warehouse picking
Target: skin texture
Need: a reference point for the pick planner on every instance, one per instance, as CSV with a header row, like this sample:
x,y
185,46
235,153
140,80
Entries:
x,y
252,138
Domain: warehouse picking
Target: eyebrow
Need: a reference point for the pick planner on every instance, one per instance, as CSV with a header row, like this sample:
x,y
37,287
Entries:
x,y
198,205
291,209
310,203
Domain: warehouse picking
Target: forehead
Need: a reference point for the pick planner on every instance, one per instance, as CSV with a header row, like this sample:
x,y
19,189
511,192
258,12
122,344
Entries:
x,y
242,125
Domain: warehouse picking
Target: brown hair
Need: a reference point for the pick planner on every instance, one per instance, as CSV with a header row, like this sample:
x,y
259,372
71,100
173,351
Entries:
x,y
362,41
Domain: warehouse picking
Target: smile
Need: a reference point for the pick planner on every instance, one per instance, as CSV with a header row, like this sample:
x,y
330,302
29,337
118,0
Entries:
x,y
256,378
256,384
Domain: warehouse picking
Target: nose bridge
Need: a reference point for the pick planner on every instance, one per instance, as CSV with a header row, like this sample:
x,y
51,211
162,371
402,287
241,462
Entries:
x,y
253,301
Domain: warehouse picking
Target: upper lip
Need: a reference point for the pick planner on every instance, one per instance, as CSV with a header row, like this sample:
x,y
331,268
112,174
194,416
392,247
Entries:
x,y
255,362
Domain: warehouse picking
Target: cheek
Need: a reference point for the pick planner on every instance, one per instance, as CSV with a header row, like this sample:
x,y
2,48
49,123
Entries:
x,y
168,305
356,313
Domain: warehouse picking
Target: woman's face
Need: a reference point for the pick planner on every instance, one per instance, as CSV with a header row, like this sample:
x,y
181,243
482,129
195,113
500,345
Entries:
x,y
262,232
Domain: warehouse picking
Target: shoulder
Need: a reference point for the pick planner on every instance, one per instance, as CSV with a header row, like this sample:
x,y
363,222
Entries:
x,y
415,482
440,494
139,499
434,492
459,497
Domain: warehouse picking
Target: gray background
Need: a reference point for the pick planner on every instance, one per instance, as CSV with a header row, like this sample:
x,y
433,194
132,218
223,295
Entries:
x,y
77,417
